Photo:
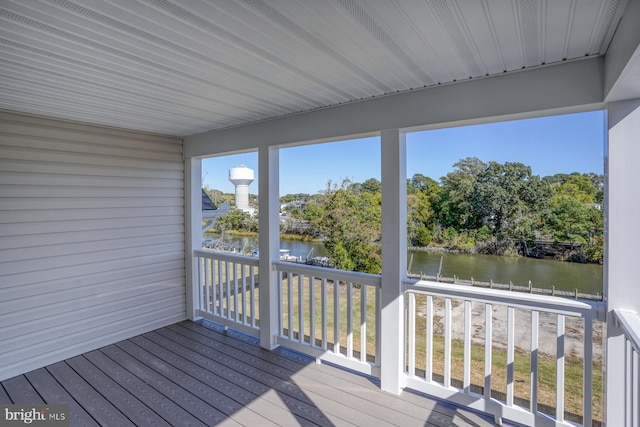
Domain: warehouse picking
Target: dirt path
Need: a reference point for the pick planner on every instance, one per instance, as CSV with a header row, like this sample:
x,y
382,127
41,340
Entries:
x,y
574,329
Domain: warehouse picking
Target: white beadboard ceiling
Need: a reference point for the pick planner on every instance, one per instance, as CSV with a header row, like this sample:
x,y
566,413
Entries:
x,y
185,67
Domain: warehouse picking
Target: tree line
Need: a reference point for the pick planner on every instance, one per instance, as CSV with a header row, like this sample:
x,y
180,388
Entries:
x,y
484,207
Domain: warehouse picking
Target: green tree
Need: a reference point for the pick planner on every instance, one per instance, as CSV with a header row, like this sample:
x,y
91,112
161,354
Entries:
x,y
313,211
575,216
351,225
298,197
424,184
595,249
454,205
577,187
372,186
598,183
422,196
570,220
237,220
509,198
420,219
218,197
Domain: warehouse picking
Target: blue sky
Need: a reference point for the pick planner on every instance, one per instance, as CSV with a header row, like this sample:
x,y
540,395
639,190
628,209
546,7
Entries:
x,y
550,145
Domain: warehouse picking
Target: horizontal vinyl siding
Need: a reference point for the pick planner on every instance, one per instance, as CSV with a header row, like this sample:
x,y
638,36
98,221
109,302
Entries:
x,y
91,238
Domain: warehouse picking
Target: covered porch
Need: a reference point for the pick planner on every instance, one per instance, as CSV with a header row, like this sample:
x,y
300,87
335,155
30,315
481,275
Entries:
x,y
107,112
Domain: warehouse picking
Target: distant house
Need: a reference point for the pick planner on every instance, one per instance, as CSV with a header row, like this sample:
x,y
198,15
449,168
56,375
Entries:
x,y
210,211
207,203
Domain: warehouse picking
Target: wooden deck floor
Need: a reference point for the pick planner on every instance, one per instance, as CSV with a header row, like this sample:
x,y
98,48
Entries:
x,y
196,374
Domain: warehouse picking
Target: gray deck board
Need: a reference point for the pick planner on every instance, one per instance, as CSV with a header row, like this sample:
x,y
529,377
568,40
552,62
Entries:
x,y
52,391
280,378
4,397
198,374
92,401
361,393
247,375
127,403
165,408
367,391
20,390
191,403
236,396
209,395
242,385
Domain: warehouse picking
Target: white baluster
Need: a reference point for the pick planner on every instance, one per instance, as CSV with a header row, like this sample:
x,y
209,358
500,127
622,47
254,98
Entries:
x,y
560,370
466,383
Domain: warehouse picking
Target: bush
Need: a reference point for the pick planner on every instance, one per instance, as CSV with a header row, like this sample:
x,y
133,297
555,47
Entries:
x,y
494,246
423,237
595,250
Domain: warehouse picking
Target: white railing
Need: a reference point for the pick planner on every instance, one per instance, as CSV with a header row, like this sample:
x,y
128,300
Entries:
x,y
499,353
228,291
330,314
630,324
533,359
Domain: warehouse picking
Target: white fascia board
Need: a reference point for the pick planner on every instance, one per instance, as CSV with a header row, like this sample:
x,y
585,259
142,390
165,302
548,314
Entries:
x,y
567,87
622,60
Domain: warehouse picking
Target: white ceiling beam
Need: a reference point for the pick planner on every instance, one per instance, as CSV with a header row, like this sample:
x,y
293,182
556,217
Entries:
x,y
622,61
567,87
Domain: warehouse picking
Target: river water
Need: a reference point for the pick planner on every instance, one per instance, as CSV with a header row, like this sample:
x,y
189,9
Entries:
x,y
566,276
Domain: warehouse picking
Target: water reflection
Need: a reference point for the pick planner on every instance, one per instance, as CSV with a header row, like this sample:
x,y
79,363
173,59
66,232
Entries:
x,y
543,273
566,276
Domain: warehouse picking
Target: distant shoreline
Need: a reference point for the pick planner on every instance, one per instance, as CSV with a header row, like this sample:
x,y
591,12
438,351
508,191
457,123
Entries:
x,y
513,253
428,249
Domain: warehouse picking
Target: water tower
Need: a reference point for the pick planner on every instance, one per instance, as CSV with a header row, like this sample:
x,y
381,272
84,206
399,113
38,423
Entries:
x,y
241,176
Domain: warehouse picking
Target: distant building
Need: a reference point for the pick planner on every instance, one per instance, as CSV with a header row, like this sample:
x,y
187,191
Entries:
x,y
210,211
241,176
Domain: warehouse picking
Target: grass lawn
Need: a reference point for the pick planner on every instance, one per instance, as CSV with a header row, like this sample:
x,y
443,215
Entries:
x,y
313,290
522,386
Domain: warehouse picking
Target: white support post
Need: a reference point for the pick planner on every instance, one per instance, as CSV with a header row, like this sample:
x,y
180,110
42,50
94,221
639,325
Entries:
x,y
622,233
269,227
193,230
394,259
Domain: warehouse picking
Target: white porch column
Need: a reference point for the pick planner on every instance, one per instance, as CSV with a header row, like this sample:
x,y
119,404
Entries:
x,y
394,259
622,228
193,229
269,223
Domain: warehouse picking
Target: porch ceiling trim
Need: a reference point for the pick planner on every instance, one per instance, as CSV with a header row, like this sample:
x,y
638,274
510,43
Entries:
x,y
622,61
555,89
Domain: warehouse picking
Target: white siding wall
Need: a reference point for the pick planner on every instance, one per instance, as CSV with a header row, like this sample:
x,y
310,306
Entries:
x,y
91,238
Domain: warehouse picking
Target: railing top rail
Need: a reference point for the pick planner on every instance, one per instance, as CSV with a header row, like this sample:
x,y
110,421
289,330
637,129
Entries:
x,y
630,322
528,301
240,259
330,273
